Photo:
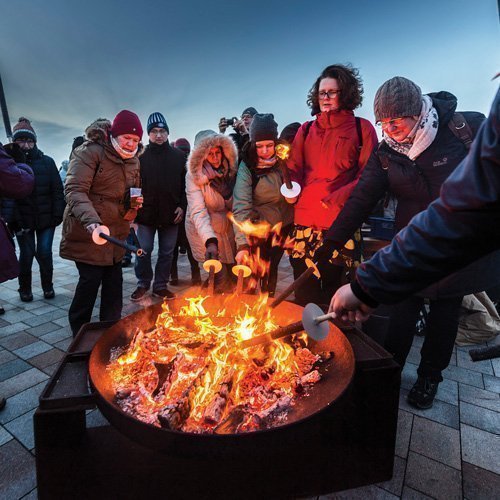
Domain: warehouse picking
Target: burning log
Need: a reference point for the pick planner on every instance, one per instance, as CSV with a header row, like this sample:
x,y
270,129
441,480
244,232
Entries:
x,y
214,411
174,415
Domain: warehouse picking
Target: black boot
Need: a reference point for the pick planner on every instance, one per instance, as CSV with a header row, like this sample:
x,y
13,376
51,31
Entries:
x,y
46,274
25,292
422,393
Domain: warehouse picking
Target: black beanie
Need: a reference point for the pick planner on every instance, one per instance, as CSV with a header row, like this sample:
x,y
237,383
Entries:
x,y
249,111
263,128
289,132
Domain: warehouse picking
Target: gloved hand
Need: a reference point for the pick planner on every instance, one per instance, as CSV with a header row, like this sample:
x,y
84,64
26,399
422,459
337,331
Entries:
x,y
15,152
90,228
212,251
324,253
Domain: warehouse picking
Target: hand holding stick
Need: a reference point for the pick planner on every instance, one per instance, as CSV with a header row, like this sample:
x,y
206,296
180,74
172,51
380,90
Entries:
x,y
100,235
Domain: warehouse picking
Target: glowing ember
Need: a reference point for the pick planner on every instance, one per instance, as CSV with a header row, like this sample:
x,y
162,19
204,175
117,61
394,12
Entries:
x,y
188,373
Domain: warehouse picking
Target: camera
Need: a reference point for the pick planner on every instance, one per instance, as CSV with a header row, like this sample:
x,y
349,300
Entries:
x,y
231,121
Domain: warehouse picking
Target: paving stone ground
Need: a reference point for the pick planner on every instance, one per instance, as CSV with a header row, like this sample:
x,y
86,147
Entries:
x,y
450,451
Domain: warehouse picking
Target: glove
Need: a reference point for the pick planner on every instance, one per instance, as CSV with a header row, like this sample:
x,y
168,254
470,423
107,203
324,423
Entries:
x,y
15,152
90,228
212,251
324,253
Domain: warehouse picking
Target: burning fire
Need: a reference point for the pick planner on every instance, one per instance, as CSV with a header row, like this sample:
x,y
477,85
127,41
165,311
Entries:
x,y
189,372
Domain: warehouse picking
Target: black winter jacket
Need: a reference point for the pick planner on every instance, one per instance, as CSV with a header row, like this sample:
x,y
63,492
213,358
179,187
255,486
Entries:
x,y
415,184
44,207
461,226
163,180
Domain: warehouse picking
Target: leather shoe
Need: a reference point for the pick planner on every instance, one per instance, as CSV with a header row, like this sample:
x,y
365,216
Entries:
x,y
49,294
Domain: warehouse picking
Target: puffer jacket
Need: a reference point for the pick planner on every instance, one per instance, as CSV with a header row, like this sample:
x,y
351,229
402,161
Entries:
x,y
262,203
415,184
16,181
96,188
44,207
207,211
458,228
325,165
163,184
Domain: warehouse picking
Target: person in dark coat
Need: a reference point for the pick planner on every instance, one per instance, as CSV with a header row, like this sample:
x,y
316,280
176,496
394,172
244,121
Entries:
x,y
163,188
419,151
182,241
460,227
16,181
35,217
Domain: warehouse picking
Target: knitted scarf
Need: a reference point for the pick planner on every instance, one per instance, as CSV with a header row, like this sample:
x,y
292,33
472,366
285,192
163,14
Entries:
x,y
219,179
422,135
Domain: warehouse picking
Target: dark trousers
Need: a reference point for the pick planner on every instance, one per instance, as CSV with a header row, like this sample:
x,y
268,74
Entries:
x,y
319,291
43,250
440,333
91,278
183,241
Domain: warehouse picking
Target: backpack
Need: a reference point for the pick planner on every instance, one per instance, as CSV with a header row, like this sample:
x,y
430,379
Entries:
x,y
461,129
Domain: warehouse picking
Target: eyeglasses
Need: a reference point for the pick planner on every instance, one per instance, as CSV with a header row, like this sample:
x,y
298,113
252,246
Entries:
x,y
160,131
396,122
330,94
24,141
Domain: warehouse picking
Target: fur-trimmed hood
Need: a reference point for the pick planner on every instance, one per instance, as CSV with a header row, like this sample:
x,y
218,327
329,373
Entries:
x,y
207,140
98,131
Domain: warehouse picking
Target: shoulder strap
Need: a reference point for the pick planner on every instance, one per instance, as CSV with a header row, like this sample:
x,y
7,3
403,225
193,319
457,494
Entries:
x,y
306,130
461,129
360,133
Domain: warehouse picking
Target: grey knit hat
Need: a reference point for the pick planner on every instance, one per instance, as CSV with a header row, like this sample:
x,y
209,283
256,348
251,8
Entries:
x,y
263,128
203,134
397,97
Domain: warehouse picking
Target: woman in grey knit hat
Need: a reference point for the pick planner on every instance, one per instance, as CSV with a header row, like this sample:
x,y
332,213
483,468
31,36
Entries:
x,y
423,142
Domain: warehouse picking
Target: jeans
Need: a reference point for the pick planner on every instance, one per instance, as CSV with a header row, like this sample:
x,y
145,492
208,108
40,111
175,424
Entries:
x,y
167,238
91,277
43,251
441,330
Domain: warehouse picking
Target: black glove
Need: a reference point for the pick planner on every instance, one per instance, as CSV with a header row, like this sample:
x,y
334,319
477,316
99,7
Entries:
x,y
324,253
212,249
15,152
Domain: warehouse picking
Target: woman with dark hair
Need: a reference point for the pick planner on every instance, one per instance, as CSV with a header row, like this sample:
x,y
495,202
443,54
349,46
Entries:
x,y
257,198
327,158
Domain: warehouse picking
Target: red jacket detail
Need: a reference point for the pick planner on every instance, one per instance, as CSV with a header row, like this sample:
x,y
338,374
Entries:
x,y
325,165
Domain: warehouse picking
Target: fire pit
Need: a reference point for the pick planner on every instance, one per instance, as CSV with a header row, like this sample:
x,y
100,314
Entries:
x,y
119,352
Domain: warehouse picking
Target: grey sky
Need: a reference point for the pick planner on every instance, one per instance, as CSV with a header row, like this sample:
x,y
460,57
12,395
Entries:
x,y
65,63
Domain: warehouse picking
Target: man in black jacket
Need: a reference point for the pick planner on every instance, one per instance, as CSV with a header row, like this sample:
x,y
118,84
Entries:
x,y
461,226
164,193
36,216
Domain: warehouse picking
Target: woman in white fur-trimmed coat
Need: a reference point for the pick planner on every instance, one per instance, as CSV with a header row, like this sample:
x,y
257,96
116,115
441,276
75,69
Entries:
x,y
210,182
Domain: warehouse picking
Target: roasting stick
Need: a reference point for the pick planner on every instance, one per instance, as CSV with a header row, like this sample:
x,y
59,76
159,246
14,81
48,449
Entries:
x,y
100,236
212,266
290,189
242,272
311,269
314,322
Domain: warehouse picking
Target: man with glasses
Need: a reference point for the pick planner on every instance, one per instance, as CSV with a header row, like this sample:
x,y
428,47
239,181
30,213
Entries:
x,y
35,218
164,192
241,128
